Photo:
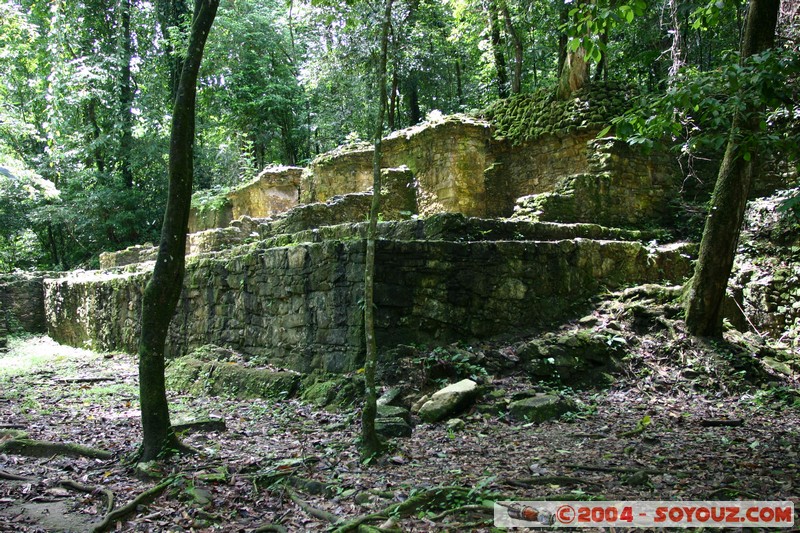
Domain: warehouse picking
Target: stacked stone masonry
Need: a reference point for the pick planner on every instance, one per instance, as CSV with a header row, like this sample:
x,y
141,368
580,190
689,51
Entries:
x,y
298,305
275,268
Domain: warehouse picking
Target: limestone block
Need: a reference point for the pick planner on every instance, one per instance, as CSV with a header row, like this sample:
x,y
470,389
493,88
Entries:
x,y
449,401
275,190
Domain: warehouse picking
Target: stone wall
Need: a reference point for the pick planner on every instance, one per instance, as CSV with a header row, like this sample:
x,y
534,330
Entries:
x,y
275,190
620,186
22,303
217,215
299,305
447,159
538,166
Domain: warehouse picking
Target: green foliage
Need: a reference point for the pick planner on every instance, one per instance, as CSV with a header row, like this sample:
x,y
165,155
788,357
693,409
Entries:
x,y
282,82
589,21
213,199
449,362
695,114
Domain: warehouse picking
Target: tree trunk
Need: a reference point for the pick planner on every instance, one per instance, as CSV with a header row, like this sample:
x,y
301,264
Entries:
x,y
171,14
724,222
370,444
574,72
563,40
393,99
601,73
162,292
414,112
676,50
497,50
459,87
516,80
126,97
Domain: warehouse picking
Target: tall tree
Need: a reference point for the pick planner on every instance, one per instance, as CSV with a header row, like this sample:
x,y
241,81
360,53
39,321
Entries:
x,y
171,16
370,444
164,288
574,72
126,95
724,222
511,30
497,48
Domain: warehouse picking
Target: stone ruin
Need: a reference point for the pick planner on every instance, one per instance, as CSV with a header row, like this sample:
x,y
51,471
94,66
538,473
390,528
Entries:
x,y
484,231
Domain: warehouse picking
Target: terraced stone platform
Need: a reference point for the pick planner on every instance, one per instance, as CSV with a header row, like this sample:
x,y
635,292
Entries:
x,y
296,299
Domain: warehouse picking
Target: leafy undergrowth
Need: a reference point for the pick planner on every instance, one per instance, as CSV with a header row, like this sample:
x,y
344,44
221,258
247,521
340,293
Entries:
x,y
644,438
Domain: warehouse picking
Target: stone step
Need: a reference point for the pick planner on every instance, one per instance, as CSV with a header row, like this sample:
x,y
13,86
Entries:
x,y
443,227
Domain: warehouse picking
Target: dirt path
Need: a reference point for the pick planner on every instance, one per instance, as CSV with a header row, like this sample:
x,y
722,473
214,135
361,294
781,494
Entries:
x,y
56,393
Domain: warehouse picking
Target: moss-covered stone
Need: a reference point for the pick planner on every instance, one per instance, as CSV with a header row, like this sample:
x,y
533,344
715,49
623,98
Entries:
x,y
526,117
539,408
188,374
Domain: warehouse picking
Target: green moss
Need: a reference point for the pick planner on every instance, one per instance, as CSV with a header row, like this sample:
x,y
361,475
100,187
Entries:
x,y
525,117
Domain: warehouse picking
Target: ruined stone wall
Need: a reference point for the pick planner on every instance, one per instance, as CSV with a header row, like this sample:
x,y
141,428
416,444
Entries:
x,y
215,216
22,303
299,306
538,166
447,159
275,190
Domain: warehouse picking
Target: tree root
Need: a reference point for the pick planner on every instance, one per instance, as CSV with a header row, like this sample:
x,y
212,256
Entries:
x,y
205,425
430,497
270,527
144,498
37,448
311,510
616,469
14,477
109,496
548,480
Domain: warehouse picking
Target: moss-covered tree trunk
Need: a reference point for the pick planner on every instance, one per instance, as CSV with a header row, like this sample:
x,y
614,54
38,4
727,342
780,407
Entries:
x,y
724,222
164,288
370,444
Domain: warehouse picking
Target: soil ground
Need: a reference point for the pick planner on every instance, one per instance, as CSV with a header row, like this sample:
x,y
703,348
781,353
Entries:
x,y
46,391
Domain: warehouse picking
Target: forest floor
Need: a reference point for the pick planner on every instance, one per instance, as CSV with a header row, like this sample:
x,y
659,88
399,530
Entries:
x,y
276,453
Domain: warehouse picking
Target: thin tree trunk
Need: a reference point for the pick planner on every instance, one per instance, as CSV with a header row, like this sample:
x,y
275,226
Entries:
x,y
516,80
601,73
96,158
393,99
370,444
459,87
414,112
497,50
171,14
162,292
724,222
126,96
676,50
563,40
